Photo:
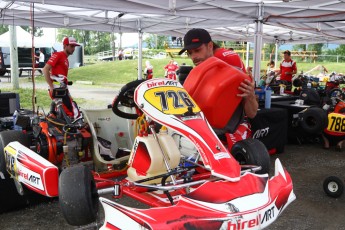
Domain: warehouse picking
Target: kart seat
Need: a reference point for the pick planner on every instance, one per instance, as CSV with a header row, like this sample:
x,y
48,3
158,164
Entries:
x,y
214,87
105,128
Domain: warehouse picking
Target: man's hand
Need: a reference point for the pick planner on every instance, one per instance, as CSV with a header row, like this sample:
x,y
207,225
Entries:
x,y
247,87
249,98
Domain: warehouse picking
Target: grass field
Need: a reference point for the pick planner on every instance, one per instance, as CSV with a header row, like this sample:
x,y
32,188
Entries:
x,y
104,73
120,72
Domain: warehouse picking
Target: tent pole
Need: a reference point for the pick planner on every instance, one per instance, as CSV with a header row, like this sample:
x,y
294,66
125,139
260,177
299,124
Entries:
x,y
140,51
247,54
276,56
113,45
258,43
14,57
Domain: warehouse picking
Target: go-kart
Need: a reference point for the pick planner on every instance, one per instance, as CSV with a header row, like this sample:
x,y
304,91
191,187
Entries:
x,y
208,191
34,157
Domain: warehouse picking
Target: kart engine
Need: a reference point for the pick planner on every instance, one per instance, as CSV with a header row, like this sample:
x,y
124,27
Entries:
x,y
73,151
62,146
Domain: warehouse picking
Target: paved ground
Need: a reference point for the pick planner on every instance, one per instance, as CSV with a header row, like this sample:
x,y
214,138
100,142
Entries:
x,y
105,93
308,164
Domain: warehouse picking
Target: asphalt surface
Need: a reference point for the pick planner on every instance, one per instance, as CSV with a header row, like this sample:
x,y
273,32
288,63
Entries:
x,y
308,164
101,96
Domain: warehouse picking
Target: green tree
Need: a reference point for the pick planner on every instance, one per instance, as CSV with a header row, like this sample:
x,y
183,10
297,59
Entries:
x,y
316,47
100,41
156,41
269,49
93,41
311,47
3,29
38,31
300,47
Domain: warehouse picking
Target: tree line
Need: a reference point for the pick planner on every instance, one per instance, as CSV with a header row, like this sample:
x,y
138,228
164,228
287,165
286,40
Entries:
x,y
96,41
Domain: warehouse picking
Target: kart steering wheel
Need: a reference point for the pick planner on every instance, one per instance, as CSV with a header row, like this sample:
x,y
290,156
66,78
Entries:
x,y
126,98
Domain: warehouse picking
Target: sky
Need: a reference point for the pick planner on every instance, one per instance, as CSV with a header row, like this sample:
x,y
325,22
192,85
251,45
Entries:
x,y
128,39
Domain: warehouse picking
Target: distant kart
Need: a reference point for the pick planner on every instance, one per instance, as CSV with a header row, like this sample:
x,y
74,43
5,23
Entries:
x,y
210,191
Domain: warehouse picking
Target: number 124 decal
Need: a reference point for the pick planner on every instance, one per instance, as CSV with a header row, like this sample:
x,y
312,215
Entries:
x,y
170,100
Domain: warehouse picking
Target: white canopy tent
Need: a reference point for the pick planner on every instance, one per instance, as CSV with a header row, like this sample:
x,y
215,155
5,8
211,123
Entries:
x,y
24,39
292,21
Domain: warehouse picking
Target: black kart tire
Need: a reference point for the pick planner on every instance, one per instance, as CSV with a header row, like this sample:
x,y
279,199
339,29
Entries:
x,y
333,186
334,92
10,199
252,152
5,138
314,120
78,196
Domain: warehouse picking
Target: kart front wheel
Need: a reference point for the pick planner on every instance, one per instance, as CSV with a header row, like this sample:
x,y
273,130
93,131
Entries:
x,y
78,195
10,199
252,152
333,186
7,137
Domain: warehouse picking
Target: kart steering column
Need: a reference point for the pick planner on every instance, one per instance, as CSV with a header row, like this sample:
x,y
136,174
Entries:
x,y
165,156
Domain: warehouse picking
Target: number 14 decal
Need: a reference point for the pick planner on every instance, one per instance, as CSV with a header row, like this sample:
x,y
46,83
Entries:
x,y
177,98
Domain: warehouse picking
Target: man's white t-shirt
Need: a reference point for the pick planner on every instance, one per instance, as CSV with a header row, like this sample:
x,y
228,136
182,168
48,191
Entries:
x,y
41,58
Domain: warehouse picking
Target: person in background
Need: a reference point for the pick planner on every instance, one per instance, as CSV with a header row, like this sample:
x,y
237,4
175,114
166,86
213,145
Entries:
x,y
41,57
55,72
271,72
120,55
199,46
288,67
148,71
171,69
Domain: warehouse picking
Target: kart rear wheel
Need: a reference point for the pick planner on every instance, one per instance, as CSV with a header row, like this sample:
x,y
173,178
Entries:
x,y
252,152
314,120
333,186
5,138
78,195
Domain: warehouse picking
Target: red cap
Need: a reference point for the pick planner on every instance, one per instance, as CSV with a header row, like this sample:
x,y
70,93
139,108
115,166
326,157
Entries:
x,y
70,41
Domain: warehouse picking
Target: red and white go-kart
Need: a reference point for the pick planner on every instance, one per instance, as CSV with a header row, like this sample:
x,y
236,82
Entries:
x,y
210,190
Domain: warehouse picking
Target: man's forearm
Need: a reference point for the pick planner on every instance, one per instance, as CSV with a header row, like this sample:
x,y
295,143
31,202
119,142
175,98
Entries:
x,y
251,107
46,73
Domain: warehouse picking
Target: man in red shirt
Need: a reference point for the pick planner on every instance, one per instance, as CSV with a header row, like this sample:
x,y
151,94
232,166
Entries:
x,y
229,56
287,67
171,69
199,46
55,72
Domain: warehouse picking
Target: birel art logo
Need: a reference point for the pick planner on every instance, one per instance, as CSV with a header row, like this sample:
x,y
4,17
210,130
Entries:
x,y
260,133
162,83
33,179
244,224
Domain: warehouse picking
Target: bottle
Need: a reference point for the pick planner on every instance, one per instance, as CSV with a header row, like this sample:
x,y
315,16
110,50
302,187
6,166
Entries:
x,y
308,85
268,94
281,90
15,116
